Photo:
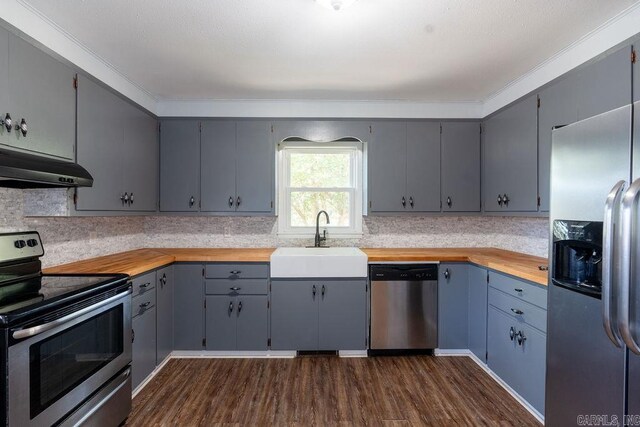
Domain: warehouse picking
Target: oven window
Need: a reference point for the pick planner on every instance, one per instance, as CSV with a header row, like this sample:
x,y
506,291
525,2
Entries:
x,y
62,361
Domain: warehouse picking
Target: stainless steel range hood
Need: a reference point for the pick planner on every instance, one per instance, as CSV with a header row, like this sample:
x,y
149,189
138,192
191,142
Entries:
x,y
21,170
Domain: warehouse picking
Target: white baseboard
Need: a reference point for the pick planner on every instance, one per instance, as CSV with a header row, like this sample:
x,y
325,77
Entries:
x,y
506,386
182,354
352,353
452,352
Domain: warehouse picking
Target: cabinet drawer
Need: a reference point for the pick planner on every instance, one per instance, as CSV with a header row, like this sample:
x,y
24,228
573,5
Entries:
x,y
519,289
534,316
143,303
237,271
240,286
143,284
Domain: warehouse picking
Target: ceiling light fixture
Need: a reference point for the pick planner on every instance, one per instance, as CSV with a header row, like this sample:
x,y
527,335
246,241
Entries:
x,y
336,5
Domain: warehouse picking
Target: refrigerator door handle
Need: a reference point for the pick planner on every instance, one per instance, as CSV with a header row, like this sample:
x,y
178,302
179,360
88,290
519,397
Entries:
x,y
611,216
628,243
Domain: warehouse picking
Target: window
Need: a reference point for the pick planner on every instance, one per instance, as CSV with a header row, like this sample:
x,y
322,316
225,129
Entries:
x,y
320,176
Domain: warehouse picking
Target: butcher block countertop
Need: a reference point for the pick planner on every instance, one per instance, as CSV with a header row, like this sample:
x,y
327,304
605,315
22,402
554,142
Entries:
x,y
141,260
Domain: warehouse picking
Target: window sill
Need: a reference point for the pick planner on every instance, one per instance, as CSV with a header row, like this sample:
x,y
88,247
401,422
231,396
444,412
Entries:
x,y
330,236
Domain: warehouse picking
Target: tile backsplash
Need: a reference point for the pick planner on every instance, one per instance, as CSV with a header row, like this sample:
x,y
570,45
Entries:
x,y
69,239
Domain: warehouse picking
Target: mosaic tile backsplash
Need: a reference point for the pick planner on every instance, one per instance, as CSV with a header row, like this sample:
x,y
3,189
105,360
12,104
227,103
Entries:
x,y
69,239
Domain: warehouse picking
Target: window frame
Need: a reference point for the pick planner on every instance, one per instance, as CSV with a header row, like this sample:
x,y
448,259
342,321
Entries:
x,y
283,152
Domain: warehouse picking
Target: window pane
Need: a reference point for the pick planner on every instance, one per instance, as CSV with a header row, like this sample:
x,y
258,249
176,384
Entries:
x,y
305,205
320,170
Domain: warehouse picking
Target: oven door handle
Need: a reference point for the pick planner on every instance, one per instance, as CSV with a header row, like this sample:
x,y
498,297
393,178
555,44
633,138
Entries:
x,y
35,330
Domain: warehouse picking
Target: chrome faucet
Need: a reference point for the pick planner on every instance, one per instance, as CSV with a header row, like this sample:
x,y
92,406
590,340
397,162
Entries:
x,y
319,240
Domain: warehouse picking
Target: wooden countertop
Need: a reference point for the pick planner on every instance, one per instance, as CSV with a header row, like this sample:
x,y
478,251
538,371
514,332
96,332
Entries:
x,y
138,261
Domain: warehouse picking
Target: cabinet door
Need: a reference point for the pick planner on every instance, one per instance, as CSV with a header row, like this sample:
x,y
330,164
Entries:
x,y
100,147
510,163
141,158
453,303
218,166
460,167
220,325
143,348
179,165
41,91
252,331
388,167
532,353
478,312
164,309
558,106
605,84
255,160
501,348
294,315
342,315
4,84
423,167
188,309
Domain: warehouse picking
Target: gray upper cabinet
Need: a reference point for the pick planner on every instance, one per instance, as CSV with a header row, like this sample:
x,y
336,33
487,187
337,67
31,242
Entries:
x,y
321,130
453,298
558,106
387,167
237,164
179,165
118,144
509,165
605,84
4,84
460,166
255,160
41,92
423,167
164,310
218,166
188,309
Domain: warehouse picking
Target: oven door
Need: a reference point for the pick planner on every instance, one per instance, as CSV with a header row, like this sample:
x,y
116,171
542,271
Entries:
x,y
57,364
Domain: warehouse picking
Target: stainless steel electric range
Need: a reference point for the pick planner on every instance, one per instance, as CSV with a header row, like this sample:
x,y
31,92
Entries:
x,y
66,341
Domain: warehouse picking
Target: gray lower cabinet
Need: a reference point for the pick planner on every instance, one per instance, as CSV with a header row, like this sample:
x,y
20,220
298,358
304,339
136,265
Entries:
x,y
478,311
318,314
118,144
460,166
143,350
237,322
188,309
41,93
453,297
165,288
509,162
179,166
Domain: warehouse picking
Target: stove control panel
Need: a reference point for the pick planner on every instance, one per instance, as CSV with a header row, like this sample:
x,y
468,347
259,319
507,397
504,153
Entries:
x,y
15,246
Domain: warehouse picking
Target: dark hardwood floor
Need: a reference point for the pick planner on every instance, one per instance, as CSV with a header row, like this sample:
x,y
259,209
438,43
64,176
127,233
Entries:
x,y
416,390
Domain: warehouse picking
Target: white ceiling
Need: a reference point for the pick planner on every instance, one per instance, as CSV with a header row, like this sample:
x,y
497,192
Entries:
x,y
413,50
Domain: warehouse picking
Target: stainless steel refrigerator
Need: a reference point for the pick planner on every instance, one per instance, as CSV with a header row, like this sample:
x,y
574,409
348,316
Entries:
x,y
593,338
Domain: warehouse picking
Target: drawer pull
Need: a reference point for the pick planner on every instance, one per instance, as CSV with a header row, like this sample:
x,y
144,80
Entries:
x,y
235,272
230,307
145,304
518,290
235,288
144,285
517,311
521,338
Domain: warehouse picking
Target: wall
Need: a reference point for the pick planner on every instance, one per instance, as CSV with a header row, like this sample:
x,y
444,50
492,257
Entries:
x,y
69,239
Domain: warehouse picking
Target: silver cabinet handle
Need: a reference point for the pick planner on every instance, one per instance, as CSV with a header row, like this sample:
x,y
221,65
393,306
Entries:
x,y
22,127
230,307
449,201
230,201
521,338
313,289
238,201
131,199
517,311
7,122
628,255
512,333
518,290
125,198
235,272
145,304
447,274
404,202
235,288
505,199
35,330
163,279
192,201
609,239
411,201
499,200
323,290
239,306
144,285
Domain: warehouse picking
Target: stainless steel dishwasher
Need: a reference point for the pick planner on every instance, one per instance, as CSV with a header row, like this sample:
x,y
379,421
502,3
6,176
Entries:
x,y
404,306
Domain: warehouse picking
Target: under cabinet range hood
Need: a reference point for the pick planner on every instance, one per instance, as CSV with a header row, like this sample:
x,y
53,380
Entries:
x,y
22,170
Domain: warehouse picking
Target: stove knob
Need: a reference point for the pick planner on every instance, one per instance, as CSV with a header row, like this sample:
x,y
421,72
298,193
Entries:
x,y
32,243
20,244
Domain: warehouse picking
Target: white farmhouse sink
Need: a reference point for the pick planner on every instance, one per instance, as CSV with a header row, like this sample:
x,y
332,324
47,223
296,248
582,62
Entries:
x,y
318,262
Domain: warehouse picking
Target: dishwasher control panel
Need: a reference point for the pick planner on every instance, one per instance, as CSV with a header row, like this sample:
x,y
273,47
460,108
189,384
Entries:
x,y
409,272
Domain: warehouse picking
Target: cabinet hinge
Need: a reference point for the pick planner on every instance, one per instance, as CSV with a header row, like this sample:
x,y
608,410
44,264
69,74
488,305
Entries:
x,y
370,129
205,304
272,204
440,204
369,204
202,271
538,201
486,356
204,342
200,126
538,102
269,342
75,198
487,277
271,128
199,204
480,128
440,128
159,127
268,304
633,56
75,81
